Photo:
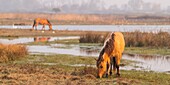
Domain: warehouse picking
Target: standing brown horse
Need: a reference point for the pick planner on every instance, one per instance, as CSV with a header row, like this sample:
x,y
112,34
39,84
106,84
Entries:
x,y
111,52
42,22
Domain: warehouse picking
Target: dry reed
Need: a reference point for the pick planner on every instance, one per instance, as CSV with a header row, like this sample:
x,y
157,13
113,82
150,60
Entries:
x,y
133,39
145,39
92,37
12,52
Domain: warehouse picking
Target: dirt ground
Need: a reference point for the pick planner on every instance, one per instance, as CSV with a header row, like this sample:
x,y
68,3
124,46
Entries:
x,y
29,74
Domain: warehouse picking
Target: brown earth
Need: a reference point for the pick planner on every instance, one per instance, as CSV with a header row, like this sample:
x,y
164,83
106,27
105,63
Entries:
x,y
29,74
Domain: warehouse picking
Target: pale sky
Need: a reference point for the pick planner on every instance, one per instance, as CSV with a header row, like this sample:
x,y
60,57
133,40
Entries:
x,y
164,3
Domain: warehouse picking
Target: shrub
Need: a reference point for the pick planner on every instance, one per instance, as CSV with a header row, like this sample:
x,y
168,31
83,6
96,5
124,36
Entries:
x,y
12,52
92,37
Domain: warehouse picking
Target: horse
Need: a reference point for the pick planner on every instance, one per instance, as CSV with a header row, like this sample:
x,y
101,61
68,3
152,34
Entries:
x,y
111,54
43,22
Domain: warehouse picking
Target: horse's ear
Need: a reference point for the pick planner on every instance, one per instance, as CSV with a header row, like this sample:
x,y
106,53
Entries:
x,y
112,35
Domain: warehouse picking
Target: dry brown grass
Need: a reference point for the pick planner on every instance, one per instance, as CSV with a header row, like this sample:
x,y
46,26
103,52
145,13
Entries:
x,y
12,52
144,39
92,37
133,39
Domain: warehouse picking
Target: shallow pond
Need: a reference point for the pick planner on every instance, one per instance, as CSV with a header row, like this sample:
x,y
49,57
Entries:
x,y
153,63
22,40
122,28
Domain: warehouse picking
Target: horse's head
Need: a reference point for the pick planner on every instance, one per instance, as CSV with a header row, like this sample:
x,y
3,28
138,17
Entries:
x,y
101,65
50,26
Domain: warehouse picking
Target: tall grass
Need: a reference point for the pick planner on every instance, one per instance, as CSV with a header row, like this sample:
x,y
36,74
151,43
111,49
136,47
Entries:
x,y
92,37
12,52
145,39
133,39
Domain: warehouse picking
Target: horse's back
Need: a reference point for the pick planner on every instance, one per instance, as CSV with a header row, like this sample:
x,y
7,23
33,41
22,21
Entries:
x,y
119,41
41,21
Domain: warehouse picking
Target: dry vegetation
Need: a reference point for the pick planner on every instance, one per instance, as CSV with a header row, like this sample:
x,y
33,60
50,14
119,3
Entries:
x,y
27,19
133,39
12,52
144,39
92,37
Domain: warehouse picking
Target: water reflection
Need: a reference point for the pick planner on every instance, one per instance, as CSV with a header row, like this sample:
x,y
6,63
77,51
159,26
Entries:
x,y
41,39
90,50
154,63
16,40
32,39
55,50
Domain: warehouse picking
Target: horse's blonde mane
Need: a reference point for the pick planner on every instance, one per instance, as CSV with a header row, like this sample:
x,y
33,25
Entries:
x,y
108,47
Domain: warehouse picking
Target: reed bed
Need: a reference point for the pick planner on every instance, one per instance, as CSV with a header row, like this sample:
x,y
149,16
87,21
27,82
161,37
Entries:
x,y
145,39
92,37
12,52
133,39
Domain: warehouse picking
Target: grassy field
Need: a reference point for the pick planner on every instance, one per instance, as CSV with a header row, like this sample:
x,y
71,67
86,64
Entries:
x,y
60,69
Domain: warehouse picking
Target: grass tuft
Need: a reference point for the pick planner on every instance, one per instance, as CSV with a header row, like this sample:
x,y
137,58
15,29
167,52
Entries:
x,y
92,38
12,52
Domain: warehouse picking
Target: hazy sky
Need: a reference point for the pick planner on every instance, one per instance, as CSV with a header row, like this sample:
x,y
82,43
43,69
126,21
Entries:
x,y
164,3
89,5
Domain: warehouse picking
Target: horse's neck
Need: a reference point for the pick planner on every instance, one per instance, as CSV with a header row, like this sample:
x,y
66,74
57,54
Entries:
x,y
106,56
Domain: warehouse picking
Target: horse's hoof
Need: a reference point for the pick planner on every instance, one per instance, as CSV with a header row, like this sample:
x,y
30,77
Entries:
x,y
106,75
110,73
118,75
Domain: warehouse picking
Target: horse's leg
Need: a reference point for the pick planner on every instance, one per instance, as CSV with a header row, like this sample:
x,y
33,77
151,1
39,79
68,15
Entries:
x,y
43,28
118,58
108,68
111,65
33,25
114,65
50,27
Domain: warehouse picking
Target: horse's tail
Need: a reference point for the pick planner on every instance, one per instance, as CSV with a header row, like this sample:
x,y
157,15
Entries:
x,y
34,23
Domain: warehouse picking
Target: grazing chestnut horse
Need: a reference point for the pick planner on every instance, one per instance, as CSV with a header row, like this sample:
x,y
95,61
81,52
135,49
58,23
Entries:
x,y
111,54
42,22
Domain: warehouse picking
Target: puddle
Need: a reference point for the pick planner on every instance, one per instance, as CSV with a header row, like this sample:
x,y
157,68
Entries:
x,y
72,50
32,39
153,63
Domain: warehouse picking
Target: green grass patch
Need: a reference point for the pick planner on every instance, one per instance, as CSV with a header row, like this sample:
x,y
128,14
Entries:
x,y
61,59
147,78
63,65
147,51
67,41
